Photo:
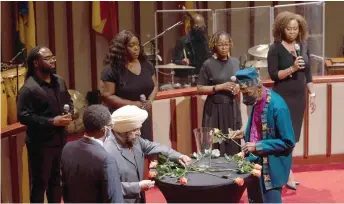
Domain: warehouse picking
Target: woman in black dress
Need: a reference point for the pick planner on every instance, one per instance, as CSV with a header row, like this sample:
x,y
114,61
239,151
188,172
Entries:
x,y
221,108
291,73
128,75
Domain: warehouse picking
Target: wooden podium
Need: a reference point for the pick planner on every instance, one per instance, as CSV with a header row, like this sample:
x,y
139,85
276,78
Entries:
x,y
334,66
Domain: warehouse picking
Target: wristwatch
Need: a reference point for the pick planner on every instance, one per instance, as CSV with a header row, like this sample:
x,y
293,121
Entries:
x,y
312,95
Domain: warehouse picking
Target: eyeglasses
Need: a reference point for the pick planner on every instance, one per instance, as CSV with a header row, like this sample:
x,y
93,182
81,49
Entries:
x,y
223,45
50,58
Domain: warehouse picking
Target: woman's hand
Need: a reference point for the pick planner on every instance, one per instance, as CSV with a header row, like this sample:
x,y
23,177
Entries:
x,y
138,104
147,105
299,63
312,105
228,86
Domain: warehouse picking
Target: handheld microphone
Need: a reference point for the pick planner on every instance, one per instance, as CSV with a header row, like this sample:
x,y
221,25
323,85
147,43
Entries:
x,y
297,49
142,98
66,108
233,79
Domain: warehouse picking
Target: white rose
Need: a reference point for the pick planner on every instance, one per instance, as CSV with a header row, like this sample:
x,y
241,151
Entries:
x,y
215,153
216,130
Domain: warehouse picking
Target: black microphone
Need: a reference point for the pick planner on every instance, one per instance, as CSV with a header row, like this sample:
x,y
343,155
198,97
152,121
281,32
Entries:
x,y
297,50
17,55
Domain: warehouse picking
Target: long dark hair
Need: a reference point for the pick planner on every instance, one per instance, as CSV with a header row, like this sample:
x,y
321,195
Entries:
x,y
32,56
117,54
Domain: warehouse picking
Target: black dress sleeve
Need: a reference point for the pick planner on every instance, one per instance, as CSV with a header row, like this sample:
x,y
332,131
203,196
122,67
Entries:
x,y
150,67
203,76
308,73
109,74
273,62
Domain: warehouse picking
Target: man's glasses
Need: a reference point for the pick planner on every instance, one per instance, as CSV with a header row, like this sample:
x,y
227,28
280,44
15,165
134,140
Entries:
x,y
50,58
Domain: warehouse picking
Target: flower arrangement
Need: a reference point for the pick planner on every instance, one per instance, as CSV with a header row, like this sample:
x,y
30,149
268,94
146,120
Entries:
x,y
166,168
219,137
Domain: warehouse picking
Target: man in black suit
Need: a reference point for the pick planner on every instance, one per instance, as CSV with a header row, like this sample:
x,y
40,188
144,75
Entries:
x,y
40,105
89,173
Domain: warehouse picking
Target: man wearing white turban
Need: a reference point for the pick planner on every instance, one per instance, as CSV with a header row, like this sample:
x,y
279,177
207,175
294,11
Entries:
x,y
129,149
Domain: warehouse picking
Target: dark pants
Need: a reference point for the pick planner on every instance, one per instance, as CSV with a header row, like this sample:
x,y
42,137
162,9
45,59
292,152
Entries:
x,y
44,165
258,194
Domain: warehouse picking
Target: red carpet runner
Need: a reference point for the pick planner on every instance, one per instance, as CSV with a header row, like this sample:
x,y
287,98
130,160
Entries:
x,y
319,183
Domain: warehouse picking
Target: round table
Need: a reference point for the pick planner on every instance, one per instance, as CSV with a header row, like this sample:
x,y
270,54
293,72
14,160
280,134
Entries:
x,y
205,188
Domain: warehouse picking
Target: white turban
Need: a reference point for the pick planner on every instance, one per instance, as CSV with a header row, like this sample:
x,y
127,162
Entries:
x,y
128,118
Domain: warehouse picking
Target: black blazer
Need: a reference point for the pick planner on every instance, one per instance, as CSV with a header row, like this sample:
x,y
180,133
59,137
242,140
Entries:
x,y
89,174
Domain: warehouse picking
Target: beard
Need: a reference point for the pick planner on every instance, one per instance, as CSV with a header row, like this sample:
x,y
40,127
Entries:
x,y
48,70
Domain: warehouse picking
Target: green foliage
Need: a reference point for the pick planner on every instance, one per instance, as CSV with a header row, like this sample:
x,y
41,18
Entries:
x,y
244,166
167,168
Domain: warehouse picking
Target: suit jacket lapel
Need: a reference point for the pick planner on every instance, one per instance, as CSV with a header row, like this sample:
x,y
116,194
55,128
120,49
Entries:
x,y
124,151
138,158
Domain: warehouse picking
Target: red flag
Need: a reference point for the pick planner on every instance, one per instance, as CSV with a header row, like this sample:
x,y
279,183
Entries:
x,y
104,18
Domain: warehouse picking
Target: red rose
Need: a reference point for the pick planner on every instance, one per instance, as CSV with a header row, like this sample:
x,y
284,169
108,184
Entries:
x,y
239,181
241,154
256,173
258,167
183,180
151,174
153,164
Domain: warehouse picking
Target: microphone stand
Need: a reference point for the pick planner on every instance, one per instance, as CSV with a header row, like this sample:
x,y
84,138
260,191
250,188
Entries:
x,y
152,41
17,68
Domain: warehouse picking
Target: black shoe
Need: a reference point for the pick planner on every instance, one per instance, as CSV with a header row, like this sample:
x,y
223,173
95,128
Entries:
x,y
291,186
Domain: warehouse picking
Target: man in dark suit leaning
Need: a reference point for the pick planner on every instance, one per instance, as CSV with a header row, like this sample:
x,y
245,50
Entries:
x,y
130,149
89,174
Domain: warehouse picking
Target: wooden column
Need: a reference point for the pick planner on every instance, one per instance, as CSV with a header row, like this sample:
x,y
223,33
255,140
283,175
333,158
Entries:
x,y
329,120
51,26
194,121
137,17
12,140
173,125
93,53
70,44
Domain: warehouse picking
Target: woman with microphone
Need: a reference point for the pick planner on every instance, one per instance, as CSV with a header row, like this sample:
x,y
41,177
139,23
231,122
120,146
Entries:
x,y
221,108
288,66
128,77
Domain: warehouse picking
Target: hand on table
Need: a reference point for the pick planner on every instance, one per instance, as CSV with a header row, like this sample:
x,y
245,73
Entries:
x,y
184,160
146,185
